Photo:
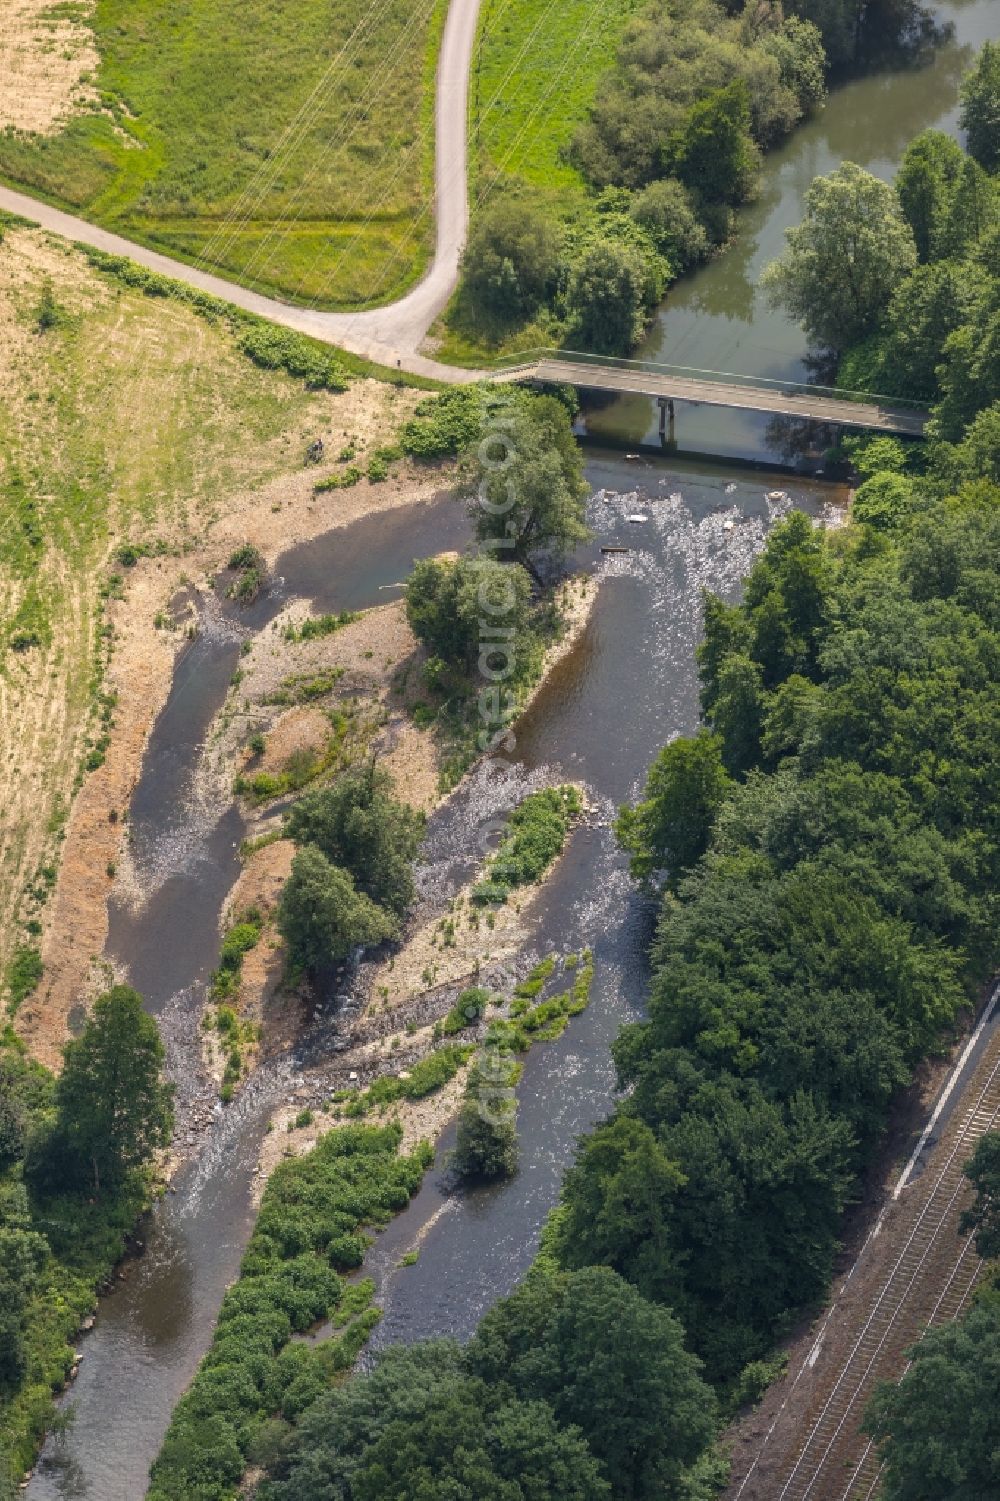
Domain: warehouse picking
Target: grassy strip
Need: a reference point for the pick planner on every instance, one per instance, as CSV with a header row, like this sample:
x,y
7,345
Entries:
x,y
536,107
305,764
535,835
23,975
242,936
255,1379
320,625
547,1020
321,366
424,1078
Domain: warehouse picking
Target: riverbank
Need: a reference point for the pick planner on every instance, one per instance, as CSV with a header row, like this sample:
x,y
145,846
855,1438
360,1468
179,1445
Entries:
x,y
151,624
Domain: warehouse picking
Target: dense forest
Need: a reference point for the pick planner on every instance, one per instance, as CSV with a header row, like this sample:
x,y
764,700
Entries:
x,y
826,854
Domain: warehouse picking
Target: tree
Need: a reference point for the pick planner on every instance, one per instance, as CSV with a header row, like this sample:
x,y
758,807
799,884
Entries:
x,y
974,209
714,153
510,262
486,1142
798,48
358,824
738,713
980,113
607,1360
983,1171
113,1109
925,183
926,308
460,610
939,1429
322,915
786,603
671,828
883,501
11,1118
13,1352
838,22
666,212
617,1208
843,263
978,454
604,300
419,1427
525,483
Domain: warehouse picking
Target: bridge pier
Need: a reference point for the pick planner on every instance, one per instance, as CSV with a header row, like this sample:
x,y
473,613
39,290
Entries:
x,y
667,439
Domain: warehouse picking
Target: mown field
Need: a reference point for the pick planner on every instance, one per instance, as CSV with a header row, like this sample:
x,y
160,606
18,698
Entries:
x,y
289,146
536,72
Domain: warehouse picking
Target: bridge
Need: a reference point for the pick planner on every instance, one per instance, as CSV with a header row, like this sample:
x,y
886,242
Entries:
x,y
669,383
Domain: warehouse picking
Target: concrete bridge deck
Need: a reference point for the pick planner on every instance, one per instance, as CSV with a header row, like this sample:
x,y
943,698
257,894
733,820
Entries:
x,y
666,383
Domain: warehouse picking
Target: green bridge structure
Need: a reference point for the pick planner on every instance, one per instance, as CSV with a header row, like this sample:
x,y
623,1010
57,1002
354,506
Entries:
x,y
666,384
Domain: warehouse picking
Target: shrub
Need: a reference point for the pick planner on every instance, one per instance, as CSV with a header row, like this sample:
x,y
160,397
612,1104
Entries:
x,y
425,1077
467,1010
536,833
315,626
24,971
342,481
275,348
444,425
251,572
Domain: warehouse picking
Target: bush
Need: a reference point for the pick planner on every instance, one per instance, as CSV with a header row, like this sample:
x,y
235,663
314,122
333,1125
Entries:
x,y
251,573
536,833
444,425
315,626
510,263
469,1009
24,971
275,348
426,1077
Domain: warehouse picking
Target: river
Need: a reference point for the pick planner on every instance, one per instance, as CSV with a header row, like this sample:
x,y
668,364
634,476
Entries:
x,y
717,319
627,687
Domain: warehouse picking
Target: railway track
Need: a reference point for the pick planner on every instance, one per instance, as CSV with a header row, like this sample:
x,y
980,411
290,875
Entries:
x,y
915,1271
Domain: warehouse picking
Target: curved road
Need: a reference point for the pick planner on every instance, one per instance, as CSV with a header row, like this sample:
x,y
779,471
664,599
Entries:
x,y
391,334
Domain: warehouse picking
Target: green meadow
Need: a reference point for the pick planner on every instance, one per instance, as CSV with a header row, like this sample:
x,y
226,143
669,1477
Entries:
x,y
289,146
536,73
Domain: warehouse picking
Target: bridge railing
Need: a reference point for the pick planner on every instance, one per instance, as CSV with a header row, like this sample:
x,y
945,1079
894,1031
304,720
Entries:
x,y
529,359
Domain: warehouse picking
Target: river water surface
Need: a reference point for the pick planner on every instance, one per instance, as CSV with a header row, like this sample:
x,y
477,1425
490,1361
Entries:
x,y
627,687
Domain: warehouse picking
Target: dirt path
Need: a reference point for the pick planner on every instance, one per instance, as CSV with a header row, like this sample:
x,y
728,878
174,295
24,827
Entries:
x,y
391,335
